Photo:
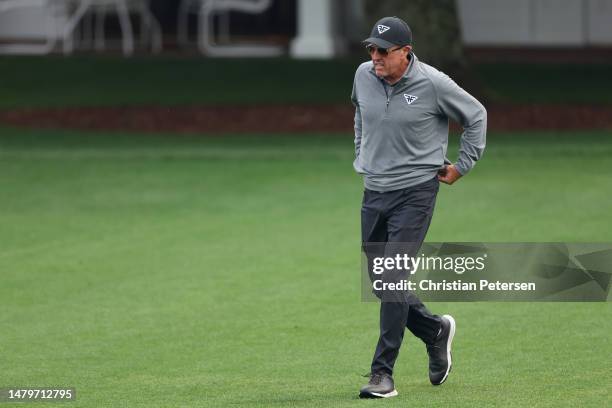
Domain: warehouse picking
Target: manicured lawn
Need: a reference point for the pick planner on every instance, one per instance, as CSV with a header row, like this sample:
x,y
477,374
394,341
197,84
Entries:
x,y
224,271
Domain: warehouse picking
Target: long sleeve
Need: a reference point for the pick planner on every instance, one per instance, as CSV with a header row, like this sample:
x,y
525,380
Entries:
x,y
357,120
463,108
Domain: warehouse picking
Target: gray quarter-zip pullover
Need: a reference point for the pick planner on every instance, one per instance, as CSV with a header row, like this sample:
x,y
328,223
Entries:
x,y
401,131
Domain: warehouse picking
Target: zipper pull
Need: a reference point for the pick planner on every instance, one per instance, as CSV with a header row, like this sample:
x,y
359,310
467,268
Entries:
x,y
387,108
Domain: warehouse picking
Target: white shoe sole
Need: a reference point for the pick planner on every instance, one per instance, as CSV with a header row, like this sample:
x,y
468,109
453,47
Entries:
x,y
448,345
393,393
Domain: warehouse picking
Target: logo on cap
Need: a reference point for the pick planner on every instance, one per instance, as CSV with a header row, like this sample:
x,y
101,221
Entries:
x,y
382,28
410,98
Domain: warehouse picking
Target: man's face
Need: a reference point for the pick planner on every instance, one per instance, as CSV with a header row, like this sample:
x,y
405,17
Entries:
x,y
391,62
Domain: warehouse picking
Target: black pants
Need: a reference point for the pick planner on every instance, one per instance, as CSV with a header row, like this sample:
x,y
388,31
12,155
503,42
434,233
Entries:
x,y
391,217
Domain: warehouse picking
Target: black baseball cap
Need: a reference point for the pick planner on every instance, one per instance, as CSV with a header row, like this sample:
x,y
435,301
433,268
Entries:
x,y
389,32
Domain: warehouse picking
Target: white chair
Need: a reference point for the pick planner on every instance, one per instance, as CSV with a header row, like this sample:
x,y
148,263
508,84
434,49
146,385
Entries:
x,y
151,33
188,7
51,30
207,44
123,9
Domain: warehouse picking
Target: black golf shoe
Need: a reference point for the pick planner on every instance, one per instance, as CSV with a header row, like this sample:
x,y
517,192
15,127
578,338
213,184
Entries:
x,y
380,386
439,351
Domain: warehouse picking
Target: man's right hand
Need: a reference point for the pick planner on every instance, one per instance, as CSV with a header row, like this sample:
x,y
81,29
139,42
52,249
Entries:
x,y
448,174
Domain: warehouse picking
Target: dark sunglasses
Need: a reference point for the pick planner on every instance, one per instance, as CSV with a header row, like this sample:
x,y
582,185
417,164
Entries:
x,y
382,51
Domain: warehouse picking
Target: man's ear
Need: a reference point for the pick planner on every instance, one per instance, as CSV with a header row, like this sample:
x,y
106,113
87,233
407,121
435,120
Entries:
x,y
408,49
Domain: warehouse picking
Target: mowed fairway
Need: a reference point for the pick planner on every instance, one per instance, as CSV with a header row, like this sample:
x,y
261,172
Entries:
x,y
224,271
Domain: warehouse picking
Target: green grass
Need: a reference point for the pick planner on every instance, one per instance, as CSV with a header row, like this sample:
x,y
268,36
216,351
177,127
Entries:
x,y
110,81
185,271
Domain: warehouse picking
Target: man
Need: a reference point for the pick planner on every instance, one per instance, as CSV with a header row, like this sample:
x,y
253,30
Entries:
x,y
402,110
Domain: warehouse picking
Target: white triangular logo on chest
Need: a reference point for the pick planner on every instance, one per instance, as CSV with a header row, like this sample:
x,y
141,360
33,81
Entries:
x,y
382,28
410,98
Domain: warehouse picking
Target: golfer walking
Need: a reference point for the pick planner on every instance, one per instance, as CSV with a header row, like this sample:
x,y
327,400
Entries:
x,y
402,112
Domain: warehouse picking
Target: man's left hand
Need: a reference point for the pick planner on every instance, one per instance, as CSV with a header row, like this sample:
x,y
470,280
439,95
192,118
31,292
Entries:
x,y
449,174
